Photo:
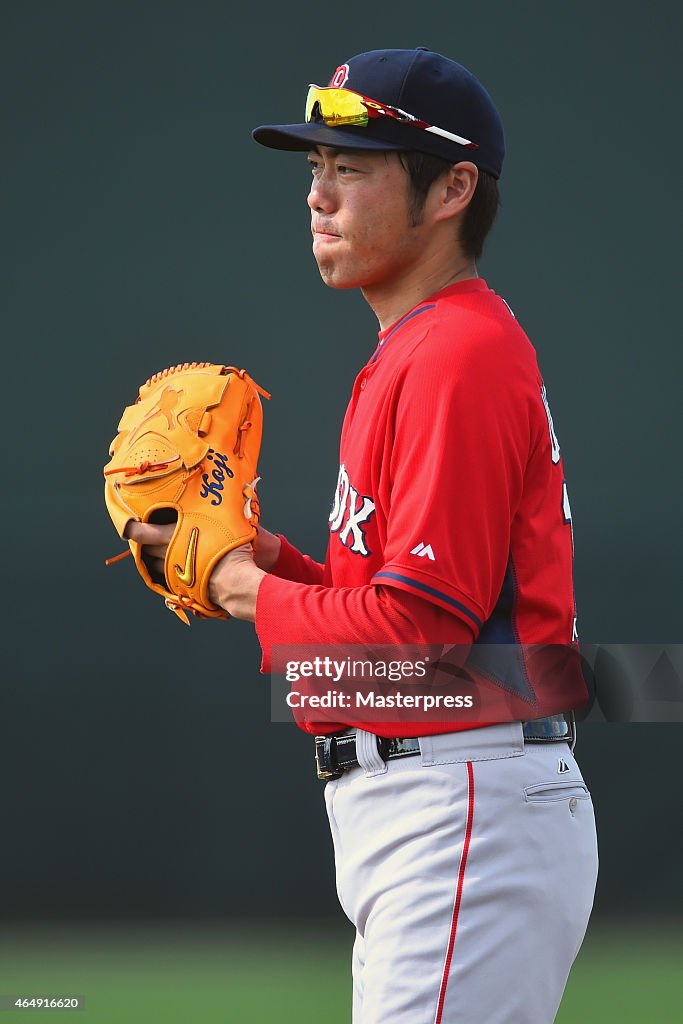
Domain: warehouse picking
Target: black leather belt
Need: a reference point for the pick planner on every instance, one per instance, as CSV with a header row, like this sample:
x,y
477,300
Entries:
x,y
335,753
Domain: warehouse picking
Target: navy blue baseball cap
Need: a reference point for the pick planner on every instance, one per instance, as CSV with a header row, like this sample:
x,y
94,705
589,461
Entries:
x,y
437,93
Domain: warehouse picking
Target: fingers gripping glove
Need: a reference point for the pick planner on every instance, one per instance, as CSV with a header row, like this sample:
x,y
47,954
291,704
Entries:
x,y
186,452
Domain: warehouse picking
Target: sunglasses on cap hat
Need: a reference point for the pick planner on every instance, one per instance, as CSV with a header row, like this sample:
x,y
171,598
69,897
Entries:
x,y
339,107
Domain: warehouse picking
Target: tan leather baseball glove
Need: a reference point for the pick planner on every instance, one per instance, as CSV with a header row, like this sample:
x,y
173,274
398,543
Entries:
x,y
186,452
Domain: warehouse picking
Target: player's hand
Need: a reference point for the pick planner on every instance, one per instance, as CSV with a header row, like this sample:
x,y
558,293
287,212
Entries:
x,y
236,578
155,539
266,549
235,581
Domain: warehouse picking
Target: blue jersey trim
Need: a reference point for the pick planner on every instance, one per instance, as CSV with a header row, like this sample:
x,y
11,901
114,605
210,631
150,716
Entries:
x,y
498,652
415,312
430,590
499,627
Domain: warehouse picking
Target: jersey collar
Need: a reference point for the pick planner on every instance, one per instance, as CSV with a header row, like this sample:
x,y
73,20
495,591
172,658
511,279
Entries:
x,y
472,284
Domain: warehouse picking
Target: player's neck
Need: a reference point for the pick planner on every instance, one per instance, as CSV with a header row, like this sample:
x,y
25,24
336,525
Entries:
x,y
391,302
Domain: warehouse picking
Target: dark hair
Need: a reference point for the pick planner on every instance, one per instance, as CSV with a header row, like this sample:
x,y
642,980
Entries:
x,y
423,169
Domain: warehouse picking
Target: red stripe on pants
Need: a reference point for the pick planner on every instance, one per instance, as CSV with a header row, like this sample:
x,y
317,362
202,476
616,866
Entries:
x,y
458,892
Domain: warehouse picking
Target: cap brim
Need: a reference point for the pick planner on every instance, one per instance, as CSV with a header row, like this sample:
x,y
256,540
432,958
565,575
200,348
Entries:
x,y
385,134
302,137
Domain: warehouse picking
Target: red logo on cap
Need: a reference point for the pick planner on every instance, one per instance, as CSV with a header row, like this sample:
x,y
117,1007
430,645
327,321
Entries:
x,y
339,77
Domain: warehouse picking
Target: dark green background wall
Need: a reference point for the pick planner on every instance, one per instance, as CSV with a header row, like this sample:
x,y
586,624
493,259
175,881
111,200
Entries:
x,y
143,227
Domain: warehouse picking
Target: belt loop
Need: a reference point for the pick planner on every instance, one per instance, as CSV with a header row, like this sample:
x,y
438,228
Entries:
x,y
367,752
571,719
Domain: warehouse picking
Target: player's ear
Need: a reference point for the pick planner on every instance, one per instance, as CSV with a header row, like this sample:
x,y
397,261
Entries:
x,y
454,190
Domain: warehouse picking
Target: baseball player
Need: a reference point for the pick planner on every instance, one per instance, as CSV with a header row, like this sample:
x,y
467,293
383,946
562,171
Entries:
x,y
465,852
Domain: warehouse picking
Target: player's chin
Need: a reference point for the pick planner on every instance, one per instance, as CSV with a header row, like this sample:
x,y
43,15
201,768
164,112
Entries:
x,y
335,275
339,285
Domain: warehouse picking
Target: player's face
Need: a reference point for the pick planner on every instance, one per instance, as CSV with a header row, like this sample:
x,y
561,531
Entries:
x,y
360,219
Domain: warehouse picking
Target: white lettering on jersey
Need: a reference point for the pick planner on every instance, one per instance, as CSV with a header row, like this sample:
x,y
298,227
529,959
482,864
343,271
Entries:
x,y
566,507
553,436
340,497
566,511
423,550
347,506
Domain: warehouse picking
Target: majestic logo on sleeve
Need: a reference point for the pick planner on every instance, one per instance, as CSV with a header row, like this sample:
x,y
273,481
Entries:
x,y
350,514
423,550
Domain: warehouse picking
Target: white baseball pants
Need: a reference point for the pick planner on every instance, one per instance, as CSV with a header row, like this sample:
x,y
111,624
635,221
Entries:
x,y
468,872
